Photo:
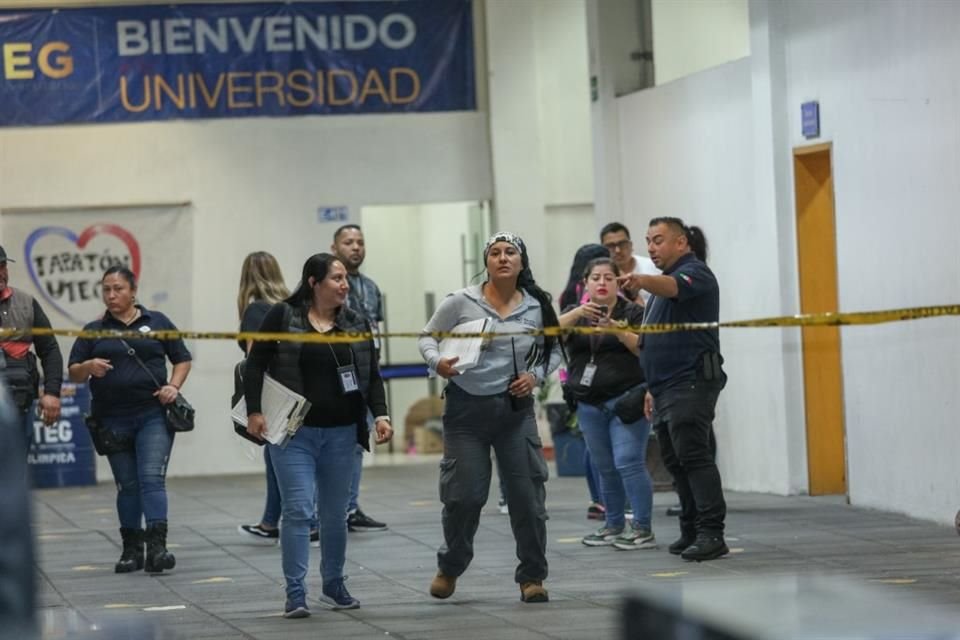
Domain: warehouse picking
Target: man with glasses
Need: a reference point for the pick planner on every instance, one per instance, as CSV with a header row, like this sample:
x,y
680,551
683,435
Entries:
x,y
616,238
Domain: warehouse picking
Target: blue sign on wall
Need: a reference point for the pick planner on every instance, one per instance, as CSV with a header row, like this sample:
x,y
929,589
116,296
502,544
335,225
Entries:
x,y
129,64
810,119
61,454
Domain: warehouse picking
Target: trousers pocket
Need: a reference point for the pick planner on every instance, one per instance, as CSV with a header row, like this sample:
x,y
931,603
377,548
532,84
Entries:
x,y
448,479
538,464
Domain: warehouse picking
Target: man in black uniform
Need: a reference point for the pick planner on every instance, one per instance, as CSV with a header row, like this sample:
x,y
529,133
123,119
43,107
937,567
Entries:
x,y
18,366
684,378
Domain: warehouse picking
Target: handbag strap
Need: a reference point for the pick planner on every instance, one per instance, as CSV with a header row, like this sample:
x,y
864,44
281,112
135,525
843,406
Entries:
x,y
133,354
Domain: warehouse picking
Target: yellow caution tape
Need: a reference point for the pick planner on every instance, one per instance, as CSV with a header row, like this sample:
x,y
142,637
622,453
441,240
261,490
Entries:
x,y
829,319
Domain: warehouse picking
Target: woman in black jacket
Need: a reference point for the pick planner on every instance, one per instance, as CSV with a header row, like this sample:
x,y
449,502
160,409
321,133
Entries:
x,y
342,381
603,369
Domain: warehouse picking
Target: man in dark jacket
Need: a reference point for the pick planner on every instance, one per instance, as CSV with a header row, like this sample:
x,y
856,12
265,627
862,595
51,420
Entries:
x,y
684,378
364,299
18,366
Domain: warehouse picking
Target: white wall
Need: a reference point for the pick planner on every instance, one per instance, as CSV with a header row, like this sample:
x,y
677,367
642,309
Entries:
x,y
255,184
693,35
540,121
686,150
426,239
885,76
715,148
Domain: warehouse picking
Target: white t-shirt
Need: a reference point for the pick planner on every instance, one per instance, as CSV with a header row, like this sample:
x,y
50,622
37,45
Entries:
x,y
644,265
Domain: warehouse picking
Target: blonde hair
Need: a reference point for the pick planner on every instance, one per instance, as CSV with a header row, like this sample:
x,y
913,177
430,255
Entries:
x,y
260,279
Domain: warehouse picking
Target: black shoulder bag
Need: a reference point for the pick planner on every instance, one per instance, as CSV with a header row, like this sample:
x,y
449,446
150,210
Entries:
x,y
180,413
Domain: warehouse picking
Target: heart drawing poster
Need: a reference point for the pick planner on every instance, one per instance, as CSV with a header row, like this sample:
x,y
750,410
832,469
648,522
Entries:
x,y
61,256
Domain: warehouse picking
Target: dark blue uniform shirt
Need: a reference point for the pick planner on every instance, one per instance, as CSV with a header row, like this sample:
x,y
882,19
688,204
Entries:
x,y
676,357
127,388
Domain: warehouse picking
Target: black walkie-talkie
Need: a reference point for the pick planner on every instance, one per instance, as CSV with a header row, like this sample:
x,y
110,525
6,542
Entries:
x,y
514,400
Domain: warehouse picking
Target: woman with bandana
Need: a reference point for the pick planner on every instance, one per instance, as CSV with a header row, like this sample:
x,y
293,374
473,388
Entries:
x,y
491,405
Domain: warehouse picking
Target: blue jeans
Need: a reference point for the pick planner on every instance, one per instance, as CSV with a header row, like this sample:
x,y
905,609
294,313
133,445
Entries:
x,y
354,502
273,507
619,453
141,474
357,472
314,471
593,479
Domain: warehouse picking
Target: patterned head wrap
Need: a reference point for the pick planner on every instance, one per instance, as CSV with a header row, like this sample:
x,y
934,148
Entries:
x,y
505,236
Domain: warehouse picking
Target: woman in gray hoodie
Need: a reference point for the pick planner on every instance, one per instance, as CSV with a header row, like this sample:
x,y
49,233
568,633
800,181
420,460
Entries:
x,y
491,405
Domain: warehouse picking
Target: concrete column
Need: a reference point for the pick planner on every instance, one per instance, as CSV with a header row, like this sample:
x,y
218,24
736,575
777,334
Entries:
x,y
518,172
604,119
773,187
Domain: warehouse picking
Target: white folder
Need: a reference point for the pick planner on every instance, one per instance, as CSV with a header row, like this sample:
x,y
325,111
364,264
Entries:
x,y
283,409
467,349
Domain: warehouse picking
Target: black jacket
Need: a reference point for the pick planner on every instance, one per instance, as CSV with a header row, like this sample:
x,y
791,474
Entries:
x,y
284,367
618,370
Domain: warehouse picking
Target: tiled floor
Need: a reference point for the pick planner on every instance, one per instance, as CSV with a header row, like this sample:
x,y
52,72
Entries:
x,y
225,588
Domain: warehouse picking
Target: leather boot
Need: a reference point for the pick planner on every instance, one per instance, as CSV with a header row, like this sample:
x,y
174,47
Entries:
x,y
158,558
132,557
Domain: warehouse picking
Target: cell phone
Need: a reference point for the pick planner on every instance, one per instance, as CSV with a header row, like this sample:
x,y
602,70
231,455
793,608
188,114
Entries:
x,y
604,309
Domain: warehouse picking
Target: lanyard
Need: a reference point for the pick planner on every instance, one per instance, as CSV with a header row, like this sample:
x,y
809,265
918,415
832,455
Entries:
x,y
333,352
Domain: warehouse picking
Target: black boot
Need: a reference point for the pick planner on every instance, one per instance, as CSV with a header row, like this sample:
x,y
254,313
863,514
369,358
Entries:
x,y
706,547
687,538
158,558
132,557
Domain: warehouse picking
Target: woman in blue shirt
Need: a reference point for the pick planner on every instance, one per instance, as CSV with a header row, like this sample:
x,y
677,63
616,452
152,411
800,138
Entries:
x,y
127,403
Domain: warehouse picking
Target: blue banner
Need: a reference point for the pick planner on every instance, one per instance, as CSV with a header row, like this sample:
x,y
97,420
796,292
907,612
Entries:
x,y
134,64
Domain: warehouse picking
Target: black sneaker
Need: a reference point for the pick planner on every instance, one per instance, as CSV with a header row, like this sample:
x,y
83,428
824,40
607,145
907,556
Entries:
x,y
336,595
359,521
705,547
256,532
674,511
296,607
681,543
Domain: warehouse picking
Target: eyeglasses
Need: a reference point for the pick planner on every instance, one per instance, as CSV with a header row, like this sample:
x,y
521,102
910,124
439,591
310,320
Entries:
x,y
618,246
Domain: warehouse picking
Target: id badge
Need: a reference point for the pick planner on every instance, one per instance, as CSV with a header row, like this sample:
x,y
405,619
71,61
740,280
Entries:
x,y
589,371
348,379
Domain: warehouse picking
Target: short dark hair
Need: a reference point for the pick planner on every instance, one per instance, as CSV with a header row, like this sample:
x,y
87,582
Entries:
x,y
123,272
613,227
695,236
341,229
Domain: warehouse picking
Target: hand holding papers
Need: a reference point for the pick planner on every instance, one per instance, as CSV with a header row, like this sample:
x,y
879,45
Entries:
x,y
283,410
466,349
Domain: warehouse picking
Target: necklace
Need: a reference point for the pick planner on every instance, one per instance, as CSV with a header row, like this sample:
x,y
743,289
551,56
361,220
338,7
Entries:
x,y
319,324
136,314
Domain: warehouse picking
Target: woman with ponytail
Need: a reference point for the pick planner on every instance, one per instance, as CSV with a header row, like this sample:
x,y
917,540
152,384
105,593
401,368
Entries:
x,y
491,405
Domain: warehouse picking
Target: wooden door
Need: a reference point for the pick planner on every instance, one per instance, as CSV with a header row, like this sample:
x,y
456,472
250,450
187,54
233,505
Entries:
x,y
822,373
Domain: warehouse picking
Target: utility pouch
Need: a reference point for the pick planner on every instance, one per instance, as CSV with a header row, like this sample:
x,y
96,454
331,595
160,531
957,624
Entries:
x,y
710,367
105,441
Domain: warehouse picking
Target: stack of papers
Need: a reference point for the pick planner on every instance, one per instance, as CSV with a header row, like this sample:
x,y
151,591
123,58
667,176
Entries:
x,y
467,349
283,409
